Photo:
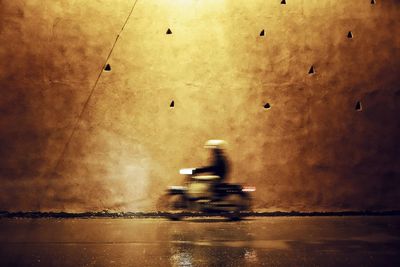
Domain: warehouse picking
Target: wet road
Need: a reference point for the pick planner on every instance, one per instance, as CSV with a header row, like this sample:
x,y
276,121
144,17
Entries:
x,y
273,241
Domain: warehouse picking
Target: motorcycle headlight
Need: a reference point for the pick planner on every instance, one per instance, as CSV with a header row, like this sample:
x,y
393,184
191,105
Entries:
x,y
186,171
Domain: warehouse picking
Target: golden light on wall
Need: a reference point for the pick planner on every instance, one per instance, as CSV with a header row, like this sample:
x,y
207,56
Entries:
x,y
281,81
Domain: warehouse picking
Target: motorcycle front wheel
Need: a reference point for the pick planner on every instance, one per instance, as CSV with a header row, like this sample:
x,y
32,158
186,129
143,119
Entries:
x,y
176,205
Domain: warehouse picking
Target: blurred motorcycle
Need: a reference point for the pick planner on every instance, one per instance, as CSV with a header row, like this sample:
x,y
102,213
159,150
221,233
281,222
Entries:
x,y
205,194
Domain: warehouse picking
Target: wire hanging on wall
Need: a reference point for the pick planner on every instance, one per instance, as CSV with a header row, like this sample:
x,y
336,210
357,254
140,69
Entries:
x,y
106,68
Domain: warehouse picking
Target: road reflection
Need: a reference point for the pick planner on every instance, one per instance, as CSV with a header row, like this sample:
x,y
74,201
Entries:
x,y
213,244
305,241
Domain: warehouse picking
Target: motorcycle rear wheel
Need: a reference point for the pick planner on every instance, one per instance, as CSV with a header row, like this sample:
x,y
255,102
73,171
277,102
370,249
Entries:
x,y
241,202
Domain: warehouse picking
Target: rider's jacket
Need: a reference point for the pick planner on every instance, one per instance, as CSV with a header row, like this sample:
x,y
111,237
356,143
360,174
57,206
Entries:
x,y
219,167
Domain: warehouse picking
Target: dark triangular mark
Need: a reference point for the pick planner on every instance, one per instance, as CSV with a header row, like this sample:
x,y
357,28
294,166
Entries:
x,y
169,31
283,2
107,67
172,104
350,35
373,2
262,33
358,106
267,106
311,71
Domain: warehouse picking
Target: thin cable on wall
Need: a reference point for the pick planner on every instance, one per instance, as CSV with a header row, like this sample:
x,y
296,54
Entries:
x,y
91,92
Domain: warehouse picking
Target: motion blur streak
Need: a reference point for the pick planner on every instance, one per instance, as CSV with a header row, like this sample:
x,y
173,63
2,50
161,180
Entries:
x,y
309,150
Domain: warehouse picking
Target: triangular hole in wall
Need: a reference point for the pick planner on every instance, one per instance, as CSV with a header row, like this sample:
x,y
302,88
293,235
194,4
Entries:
x,y
172,104
311,71
107,67
267,106
350,35
358,106
262,33
283,2
169,31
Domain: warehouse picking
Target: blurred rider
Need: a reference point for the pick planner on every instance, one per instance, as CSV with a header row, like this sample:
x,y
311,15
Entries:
x,y
218,170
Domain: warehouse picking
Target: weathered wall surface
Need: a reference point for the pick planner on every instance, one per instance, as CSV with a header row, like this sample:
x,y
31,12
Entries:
x,y
310,151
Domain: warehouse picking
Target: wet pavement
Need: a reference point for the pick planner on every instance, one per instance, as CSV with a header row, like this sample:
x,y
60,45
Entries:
x,y
266,241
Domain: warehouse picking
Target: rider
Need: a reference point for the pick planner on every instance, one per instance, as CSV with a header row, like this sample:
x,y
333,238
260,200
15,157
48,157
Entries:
x,y
219,168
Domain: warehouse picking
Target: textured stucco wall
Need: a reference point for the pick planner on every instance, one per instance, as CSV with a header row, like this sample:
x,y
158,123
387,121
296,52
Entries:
x,y
311,151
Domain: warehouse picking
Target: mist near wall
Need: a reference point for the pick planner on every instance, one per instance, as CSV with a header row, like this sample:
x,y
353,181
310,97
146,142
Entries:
x,y
312,148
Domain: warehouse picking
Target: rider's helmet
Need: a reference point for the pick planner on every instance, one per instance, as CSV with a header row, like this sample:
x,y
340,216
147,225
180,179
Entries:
x,y
216,144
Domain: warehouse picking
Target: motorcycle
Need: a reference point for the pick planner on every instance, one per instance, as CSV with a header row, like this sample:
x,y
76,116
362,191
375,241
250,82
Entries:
x,y
204,194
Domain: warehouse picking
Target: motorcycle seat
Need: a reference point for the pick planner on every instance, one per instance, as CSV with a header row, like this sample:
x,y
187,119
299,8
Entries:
x,y
206,177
